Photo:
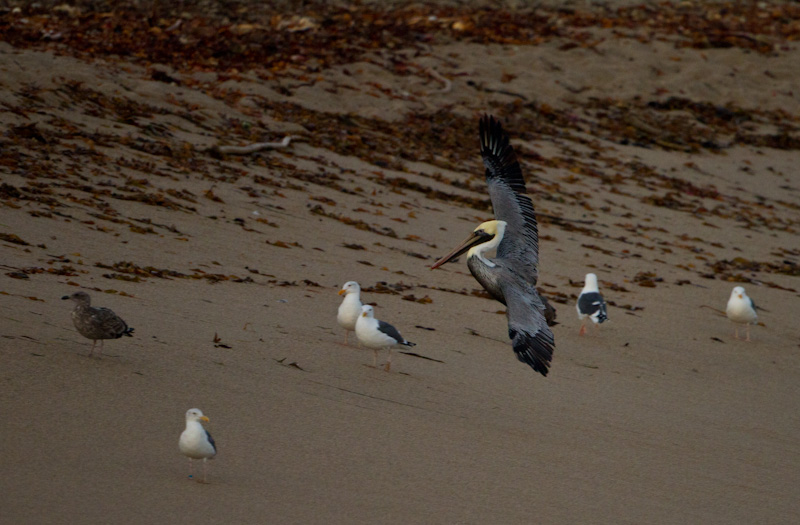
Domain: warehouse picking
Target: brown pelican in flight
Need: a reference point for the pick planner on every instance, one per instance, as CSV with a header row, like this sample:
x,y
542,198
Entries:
x,y
510,277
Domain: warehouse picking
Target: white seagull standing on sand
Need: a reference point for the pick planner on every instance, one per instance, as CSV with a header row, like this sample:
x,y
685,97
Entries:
x,y
741,310
195,441
590,304
350,309
96,323
378,335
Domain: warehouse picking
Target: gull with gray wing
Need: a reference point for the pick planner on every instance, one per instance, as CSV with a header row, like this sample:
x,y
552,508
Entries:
x,y
195,441
741,310
591,304
350,309
378,335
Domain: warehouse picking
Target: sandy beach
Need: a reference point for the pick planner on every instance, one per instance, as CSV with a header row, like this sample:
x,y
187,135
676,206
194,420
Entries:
x,y
659,143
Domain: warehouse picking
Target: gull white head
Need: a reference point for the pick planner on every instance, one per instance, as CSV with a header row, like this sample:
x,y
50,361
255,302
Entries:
x,y
195,414
350,287
738,291
81,298
590,284
367,311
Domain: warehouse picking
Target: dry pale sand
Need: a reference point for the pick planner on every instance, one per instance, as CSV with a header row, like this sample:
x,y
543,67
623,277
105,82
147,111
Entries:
x,y
228,267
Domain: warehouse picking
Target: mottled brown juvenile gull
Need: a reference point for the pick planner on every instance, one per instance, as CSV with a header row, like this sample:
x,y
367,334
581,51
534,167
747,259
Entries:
x,y
195,441
96,323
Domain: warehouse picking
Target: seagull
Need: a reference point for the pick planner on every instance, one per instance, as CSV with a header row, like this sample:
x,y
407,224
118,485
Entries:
x,y
195,441
96,323
741,310
590,303
350,308
378,335
511,276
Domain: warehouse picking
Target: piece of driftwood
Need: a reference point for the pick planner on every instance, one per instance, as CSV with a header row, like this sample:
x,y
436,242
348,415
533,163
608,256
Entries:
x,y
448,85
253,148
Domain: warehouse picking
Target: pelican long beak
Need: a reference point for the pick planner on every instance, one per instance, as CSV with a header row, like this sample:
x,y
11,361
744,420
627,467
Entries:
x,y
341,292
474,239
204,418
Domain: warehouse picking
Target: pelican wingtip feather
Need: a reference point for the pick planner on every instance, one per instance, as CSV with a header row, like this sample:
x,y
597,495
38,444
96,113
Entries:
x,y
535,350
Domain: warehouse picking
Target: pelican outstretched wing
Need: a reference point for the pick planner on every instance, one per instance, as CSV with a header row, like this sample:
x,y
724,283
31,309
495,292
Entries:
x,y
509,201
532,340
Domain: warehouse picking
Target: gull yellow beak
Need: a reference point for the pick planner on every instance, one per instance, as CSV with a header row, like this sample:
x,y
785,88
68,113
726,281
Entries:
x,y
341,291
364,314
204,418
740,296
